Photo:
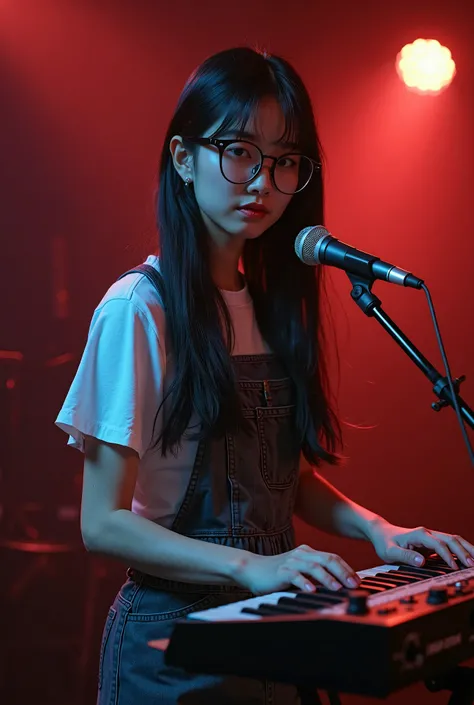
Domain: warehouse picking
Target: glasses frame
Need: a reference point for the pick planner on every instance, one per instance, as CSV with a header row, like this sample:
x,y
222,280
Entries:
x,y
223,144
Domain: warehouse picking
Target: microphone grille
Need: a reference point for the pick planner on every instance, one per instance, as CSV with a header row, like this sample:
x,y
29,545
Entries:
x,y
306,242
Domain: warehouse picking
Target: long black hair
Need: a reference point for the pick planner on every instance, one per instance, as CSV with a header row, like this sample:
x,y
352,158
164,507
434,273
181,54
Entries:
x,y
286,293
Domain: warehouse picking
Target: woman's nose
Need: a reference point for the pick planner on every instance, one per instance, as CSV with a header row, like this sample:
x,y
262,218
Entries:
x,y
263,180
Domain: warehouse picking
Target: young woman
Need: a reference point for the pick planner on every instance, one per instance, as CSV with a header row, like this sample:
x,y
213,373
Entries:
x,y
202,382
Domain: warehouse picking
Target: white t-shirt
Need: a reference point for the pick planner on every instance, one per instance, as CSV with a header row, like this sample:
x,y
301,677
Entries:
x,y
125,369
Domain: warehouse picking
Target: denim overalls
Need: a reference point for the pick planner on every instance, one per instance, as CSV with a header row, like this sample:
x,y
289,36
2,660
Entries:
x,y
241,493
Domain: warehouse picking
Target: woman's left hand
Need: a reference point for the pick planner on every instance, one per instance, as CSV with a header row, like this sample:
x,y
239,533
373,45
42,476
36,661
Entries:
x,y
395,544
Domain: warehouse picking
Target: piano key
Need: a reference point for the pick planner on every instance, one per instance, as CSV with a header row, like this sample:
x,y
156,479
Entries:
x,y
343,592
442,569
233,610
316,597
402,573
434,558
378,569
442,564
373,589
396,579
258,611
267,610
399,579
300,606
385,583
425,572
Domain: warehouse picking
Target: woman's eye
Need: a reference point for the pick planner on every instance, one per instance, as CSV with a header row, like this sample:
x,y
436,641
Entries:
x,y
286,162
238,151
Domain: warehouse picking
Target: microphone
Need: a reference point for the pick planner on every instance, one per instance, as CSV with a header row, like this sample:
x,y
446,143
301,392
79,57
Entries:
x,y
315,245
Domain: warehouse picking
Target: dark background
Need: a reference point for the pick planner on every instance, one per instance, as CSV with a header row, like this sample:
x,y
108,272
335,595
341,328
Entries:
x,y
86,92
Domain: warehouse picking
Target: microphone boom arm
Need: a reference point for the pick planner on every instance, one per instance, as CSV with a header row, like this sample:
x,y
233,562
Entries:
x,y
371,305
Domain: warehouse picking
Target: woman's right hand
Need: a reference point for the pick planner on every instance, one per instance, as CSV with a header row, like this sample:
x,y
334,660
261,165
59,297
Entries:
x,y
303,567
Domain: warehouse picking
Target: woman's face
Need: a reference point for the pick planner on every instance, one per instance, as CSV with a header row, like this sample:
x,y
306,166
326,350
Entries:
x,y
220,201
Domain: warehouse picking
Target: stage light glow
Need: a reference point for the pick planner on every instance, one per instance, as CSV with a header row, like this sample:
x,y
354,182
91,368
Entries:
x,y
426,66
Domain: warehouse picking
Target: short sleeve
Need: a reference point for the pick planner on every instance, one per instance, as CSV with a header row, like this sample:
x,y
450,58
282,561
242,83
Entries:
x,y
118,386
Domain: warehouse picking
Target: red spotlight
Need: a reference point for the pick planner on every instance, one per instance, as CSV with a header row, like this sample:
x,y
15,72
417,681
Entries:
x,y
426,66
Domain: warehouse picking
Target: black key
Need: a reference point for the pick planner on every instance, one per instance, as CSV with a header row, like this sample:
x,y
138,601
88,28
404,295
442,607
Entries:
x,y
286,609
303,606
343,592
313,602
434,559
383,582
371,588
261,611
413,578
424,572
252,610
442,564
318,597
266,610
299,605
445,568
399,579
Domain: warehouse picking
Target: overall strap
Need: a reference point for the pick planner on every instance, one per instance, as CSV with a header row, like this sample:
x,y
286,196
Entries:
x,y
151,274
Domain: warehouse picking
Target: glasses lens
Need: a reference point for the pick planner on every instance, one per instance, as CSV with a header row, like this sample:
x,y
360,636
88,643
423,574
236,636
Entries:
x,y
292,173
240,162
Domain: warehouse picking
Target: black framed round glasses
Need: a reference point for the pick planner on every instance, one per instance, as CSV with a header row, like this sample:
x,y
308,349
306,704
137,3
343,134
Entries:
x,y
241,161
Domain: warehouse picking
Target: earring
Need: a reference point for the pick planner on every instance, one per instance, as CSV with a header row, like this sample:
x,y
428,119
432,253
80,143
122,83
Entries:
x,y
188,181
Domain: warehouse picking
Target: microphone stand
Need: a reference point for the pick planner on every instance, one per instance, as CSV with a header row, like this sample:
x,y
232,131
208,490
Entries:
x,y
371,305
460,680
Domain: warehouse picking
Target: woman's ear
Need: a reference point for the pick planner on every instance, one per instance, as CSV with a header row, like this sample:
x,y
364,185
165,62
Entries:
x,y
182,159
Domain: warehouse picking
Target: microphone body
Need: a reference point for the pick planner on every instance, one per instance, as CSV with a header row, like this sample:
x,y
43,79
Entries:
x,y
315,245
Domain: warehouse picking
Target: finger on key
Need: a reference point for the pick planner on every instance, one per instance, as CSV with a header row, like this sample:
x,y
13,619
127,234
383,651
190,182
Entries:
x,y
456,547
441,549
341,570
317,572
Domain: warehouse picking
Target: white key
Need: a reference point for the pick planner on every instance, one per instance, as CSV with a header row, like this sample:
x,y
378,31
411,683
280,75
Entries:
x,y
233,610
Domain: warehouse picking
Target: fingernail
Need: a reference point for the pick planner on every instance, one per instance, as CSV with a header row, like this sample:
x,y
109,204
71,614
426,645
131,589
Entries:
x,y
335,585
419,560
309,587
352,582
470,561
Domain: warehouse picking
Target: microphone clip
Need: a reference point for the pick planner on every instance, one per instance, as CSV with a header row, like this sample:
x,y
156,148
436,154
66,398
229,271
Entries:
x,y
362,293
